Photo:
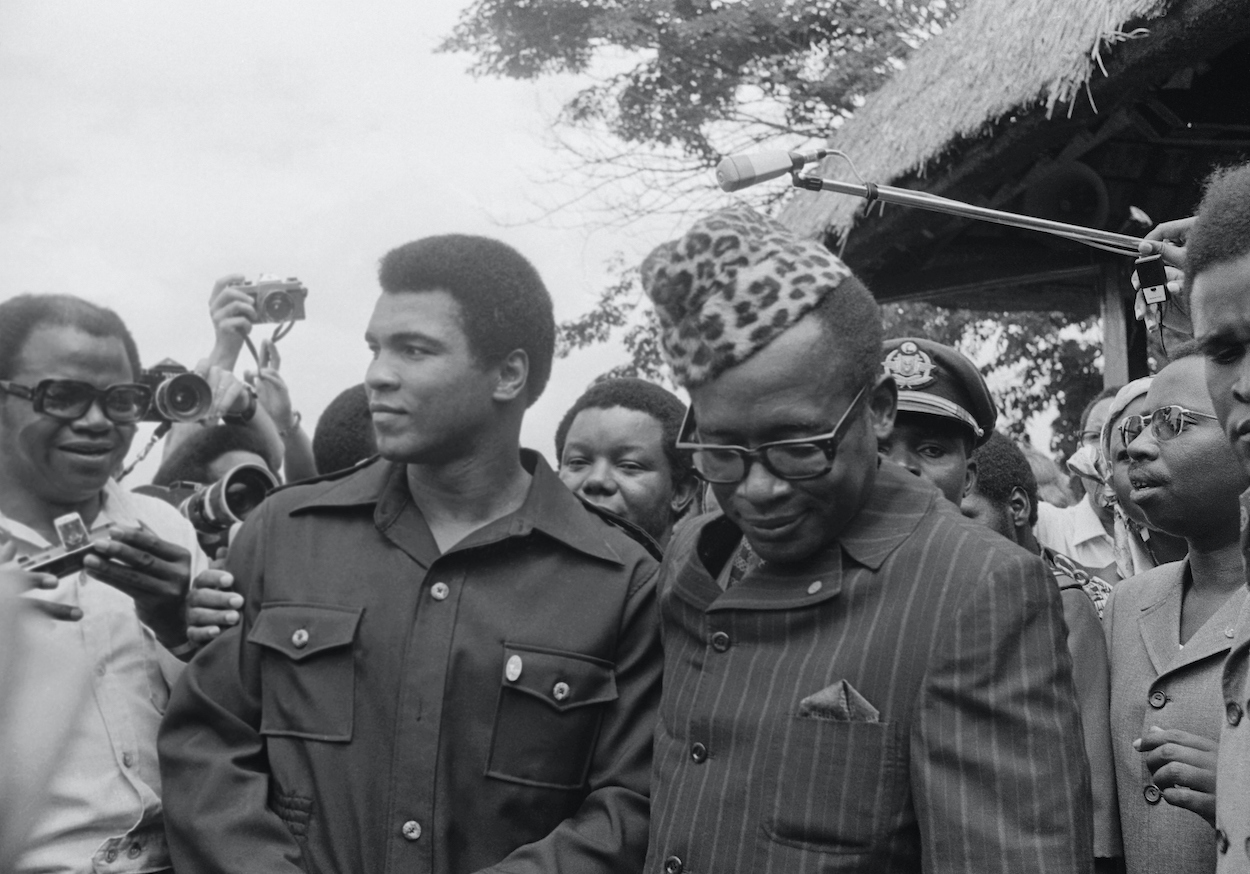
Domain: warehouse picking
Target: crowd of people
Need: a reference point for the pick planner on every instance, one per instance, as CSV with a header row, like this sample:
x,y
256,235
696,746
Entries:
x,y
824,618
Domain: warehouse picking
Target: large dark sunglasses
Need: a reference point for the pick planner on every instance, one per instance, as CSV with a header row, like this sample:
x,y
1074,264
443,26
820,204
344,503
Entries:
x,y
1165,423
797,459
69,399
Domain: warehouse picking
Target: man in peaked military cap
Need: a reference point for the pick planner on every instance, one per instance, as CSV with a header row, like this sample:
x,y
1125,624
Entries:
x,y
944,412
883,685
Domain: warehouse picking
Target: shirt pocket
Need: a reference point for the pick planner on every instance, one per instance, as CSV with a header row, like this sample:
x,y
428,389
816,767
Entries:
x,y
551,705
307,669
840,785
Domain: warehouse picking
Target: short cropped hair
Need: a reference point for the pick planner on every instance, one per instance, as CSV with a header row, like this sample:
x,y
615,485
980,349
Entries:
x,y
504,304
344,433
644,397
1001,467
851,319
190,460
1222,230
22,315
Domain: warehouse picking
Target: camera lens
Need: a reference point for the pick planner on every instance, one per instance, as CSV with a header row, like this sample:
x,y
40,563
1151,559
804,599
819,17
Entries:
x,y
184,398
231,499
278,306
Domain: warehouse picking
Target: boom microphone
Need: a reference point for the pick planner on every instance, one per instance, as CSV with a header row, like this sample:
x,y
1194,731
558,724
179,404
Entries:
x,y
738,171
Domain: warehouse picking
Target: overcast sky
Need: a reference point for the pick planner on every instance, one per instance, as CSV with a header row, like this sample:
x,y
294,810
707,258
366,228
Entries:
x,y
150,147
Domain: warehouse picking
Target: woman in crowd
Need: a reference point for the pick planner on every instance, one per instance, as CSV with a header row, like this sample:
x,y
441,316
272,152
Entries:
x,y
1138,547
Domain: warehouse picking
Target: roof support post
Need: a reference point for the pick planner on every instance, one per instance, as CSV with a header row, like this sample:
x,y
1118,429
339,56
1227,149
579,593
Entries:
x,y
1115,330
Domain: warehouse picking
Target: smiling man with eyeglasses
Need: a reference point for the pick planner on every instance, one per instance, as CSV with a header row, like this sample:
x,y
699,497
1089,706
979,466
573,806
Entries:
x,y
856,677
69,407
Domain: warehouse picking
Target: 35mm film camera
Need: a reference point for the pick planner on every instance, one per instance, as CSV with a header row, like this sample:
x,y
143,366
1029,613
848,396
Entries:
x,y
178,394
277,300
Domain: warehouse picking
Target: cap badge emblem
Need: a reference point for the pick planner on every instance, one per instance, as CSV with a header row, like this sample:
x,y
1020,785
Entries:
x,y
910,366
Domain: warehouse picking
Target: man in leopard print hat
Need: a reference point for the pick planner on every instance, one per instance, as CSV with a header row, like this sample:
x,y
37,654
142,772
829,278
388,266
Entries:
x,y
731,285
883,684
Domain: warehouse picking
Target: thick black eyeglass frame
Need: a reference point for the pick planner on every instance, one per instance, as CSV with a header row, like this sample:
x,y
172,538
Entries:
x,y
39,393
1139,423
826,443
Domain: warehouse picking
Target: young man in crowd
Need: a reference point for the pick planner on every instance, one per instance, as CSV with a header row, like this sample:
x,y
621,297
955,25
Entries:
x,y
944,412
1217,281
617,449
446,662
884,687
1004,499
69,408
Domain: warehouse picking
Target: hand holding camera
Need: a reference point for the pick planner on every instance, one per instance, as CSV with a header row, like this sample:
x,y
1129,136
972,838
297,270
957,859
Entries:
x,y
271,388
152,571
35,580
237,303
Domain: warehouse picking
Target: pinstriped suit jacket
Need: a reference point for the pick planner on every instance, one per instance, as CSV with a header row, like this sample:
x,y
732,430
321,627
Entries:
x,y
1155,682
953,635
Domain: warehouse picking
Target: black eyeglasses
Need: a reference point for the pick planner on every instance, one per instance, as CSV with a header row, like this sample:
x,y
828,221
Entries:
x,y
797,459
1165,423
69,399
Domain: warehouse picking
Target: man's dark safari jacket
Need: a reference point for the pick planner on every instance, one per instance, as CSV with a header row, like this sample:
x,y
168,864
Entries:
x,y
382,707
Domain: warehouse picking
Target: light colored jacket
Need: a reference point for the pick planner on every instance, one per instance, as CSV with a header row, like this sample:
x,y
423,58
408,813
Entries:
x,y
1157,682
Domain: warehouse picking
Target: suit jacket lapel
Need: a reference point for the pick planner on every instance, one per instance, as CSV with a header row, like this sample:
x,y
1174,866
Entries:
x,y
1160,620
1213,637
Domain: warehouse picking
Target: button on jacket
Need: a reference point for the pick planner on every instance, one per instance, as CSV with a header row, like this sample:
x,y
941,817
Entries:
x,y
1154,681
913,712
382,707
1232,798
1232,805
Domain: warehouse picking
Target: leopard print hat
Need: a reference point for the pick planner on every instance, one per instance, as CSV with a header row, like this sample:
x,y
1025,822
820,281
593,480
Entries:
x,y
736,281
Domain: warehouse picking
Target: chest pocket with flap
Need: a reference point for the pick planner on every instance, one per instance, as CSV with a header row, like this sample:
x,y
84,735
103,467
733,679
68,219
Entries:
x,y
307,669
551,704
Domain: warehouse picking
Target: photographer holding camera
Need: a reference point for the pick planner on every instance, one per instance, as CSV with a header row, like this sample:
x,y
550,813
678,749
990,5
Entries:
x,y
70,403
235,306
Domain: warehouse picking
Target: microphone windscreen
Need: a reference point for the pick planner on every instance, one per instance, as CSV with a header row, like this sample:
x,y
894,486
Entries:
x,y
739,171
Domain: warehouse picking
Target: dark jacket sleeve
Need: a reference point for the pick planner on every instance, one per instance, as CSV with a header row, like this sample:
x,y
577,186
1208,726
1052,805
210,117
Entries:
x,y
211,749
609,831
998,763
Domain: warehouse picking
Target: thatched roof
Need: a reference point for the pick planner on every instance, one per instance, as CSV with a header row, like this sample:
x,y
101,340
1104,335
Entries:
x,y
1000,58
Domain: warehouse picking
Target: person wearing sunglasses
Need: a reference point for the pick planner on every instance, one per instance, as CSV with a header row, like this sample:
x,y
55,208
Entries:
x,y
881,685
69,407
1167,629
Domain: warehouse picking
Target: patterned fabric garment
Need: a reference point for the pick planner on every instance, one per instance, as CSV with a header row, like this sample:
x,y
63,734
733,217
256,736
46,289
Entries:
x,y
900,702
1063,567
731,285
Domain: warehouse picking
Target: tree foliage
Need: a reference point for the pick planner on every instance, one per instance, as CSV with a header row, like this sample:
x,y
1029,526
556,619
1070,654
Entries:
x,y
702,78
704,72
